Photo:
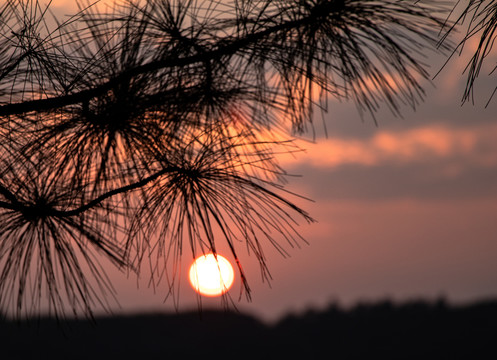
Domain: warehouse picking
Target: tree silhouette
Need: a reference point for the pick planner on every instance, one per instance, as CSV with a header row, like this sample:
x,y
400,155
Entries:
x,y
481,19
137,131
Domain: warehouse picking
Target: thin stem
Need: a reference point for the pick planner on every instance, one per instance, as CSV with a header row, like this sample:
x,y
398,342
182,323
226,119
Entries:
x,y
15,204
114,192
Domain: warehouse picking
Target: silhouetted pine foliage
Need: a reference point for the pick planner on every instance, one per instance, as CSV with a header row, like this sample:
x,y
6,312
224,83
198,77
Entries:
x,y
141,131
480,19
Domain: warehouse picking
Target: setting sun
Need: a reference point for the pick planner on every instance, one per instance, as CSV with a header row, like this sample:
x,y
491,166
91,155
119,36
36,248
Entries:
x,y
211,275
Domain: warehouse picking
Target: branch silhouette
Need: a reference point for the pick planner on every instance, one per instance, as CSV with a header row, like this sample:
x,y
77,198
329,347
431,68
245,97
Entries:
x,y
480,17
132,129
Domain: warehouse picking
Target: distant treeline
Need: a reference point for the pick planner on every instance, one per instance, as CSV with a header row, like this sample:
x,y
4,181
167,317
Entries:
x,y
384,330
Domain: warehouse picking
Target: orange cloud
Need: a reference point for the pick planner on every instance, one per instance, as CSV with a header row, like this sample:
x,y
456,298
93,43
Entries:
x,y
416,145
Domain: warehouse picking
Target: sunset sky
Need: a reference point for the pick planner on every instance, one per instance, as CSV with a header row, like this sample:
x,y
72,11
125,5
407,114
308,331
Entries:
x,y
405,209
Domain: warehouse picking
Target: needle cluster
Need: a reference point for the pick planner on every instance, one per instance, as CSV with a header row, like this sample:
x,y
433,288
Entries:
x,y
134,130
480,19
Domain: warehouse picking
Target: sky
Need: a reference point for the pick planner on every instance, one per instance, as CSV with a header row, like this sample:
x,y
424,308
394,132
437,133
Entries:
x,y
406,209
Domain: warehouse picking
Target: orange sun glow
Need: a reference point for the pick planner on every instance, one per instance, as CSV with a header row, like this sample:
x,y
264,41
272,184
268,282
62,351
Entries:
x,y
211,275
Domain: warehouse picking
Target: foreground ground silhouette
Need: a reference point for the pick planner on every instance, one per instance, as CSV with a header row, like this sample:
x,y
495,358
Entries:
x,y
414,330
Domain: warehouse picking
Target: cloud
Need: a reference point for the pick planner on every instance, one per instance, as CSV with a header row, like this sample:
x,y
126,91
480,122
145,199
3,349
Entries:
x,y
427,144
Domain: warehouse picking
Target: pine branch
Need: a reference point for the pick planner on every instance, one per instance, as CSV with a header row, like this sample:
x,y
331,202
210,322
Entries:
x,y
126,134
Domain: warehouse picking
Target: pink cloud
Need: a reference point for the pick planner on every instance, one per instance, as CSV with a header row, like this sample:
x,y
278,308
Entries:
x,y
430,143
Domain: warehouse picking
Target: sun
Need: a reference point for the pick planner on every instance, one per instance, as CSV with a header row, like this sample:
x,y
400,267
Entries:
x,y
211,275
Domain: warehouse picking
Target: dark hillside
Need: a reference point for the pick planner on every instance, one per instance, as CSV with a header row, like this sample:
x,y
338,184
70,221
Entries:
x,y
415,330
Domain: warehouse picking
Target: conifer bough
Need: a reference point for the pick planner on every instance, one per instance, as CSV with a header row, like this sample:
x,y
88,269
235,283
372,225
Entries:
x,y
142,132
